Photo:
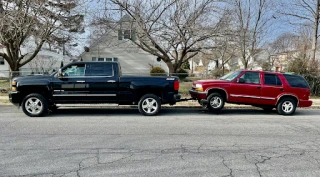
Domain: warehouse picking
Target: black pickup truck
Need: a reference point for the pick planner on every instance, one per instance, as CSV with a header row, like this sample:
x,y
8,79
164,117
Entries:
x,y
92,83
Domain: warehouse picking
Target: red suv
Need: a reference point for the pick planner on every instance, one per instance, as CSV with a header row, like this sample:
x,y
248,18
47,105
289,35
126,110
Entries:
x,y
267,90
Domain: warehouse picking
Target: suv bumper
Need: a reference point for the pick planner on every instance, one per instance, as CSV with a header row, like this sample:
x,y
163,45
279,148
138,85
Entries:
x,y
305,103
198,95
14,98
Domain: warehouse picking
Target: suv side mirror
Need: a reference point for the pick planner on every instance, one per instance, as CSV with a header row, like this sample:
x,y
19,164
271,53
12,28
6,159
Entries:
x,y
60,73
240,80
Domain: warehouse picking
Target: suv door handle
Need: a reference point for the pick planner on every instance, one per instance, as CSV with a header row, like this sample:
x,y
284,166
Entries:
x,y
111,81
81,81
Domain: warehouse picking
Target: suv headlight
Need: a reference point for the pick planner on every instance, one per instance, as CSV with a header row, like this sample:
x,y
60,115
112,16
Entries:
x,y
198,87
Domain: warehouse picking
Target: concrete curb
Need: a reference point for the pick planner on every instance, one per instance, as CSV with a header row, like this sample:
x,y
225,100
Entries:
x,y
165,107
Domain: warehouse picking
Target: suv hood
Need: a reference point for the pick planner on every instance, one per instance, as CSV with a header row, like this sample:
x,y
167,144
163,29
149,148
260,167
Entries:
x,y
211,81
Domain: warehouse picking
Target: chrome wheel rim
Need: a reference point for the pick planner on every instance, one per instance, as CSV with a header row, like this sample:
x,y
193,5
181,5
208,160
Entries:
x,y
149,105
33,105
215,102
287,106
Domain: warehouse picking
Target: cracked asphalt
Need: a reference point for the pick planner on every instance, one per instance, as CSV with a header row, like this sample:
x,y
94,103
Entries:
x,y
177,143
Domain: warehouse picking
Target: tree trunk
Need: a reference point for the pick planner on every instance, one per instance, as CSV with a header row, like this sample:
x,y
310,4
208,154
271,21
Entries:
x,y
15,72
315,32
222,69
170,66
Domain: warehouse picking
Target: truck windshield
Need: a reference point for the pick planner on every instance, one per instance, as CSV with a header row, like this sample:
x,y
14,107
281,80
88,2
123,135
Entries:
x,y
230,76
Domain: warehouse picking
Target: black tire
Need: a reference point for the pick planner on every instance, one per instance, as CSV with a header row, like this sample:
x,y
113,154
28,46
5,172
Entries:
x,y
154,105
40,107
215,102
290,109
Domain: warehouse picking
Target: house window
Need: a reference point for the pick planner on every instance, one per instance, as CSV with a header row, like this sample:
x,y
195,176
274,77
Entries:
x,y
94,59
1,61
100,59
108,59
115,59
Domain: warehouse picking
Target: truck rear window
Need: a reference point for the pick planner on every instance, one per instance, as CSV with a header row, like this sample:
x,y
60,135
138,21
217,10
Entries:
x,y
296,81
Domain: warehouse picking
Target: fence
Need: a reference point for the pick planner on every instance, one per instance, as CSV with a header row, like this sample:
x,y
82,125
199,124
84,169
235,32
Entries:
x,y
5,77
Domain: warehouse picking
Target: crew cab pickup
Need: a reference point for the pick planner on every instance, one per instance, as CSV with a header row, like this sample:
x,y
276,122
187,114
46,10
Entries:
x,y
92,83
267,90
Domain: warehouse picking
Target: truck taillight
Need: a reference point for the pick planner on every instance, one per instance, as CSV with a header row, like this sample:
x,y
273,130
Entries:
x,y
176,85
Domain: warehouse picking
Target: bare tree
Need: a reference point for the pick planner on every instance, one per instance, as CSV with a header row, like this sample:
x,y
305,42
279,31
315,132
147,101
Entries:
x,y
172,29
251,20
303,11
34,23
43,65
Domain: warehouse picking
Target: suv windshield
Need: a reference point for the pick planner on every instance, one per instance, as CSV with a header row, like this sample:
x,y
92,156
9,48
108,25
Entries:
x,y
230,76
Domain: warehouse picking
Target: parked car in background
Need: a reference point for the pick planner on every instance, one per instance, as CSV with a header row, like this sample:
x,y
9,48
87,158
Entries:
x,y
92,83
267,90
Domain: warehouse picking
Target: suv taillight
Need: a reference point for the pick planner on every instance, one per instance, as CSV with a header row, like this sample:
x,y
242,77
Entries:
x,y
176,85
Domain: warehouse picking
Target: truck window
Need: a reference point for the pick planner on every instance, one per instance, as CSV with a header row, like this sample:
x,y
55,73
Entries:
x,y
251,77
74,70
272,79
296,81
98,69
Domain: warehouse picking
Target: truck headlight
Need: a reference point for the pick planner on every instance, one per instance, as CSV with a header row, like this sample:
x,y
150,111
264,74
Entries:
x,y
14,83
14,88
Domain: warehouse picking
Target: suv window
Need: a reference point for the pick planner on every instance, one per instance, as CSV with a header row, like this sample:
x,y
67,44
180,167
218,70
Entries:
x,y
74,70
251,77
272,79
296,81
98,69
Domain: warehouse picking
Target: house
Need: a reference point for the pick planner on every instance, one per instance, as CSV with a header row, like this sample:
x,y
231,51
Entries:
x,y
118,46
45,62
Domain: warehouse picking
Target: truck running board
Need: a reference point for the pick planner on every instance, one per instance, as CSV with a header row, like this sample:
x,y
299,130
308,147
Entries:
x,y
87,105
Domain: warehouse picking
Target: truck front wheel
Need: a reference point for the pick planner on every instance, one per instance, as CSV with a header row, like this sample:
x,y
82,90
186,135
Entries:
x,y
149,105
35,105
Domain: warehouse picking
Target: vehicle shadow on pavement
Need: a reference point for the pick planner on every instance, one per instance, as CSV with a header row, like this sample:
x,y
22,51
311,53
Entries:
x,y
66,112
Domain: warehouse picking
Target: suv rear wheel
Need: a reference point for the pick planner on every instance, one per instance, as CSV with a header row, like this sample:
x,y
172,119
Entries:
x,y
287,106
149,105
215,102
35,105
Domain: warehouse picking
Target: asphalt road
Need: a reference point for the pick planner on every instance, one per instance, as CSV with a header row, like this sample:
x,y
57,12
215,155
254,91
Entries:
x,y
178,142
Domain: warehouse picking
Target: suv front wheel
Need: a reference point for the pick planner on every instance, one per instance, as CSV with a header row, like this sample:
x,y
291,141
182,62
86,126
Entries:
x,y
286,106
215,102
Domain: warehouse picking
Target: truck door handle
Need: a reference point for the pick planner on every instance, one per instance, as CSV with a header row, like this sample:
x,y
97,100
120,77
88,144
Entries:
x,y
111,81
259,87
281,89
81,81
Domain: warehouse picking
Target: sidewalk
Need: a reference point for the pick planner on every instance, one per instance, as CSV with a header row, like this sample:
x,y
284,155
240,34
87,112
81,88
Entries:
x,y
4,100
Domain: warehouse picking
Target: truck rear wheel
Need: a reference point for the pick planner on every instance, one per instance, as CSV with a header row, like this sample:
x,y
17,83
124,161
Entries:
x,y
35,105
149,105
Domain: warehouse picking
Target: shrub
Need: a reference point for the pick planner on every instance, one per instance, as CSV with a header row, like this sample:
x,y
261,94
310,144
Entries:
x,y
308,69
182,74
157,71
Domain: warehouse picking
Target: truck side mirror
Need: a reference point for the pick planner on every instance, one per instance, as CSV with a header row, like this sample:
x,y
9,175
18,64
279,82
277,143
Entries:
x,y
240,80
60,73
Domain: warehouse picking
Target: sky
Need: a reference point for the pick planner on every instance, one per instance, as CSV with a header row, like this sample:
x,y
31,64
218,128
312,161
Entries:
x,y
279,26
